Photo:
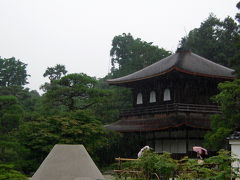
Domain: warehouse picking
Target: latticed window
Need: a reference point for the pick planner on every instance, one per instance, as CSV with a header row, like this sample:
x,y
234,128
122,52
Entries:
x,y
152,97
166,95
139,98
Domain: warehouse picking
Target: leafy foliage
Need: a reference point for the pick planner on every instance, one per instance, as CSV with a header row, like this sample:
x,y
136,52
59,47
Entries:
x,y
28,99
12,72
214,39
110,150
13,76
73,92
222,125
129,54
56,72
7,172
162,166
234,61
80,127
215,167
11,115
117,98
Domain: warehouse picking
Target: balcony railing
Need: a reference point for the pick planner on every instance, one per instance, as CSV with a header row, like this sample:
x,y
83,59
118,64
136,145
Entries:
x,y
175,107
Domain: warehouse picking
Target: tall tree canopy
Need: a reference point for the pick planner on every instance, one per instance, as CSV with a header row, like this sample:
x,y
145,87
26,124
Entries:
x,y
56,72
129,54
235,60
228,99
11,115
223,124
12,72
73,92
13,77
79,127
53,73
214,39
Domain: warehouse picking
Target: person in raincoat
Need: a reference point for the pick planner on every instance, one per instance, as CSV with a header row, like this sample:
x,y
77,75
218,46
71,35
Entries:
x,y
201,152
143,149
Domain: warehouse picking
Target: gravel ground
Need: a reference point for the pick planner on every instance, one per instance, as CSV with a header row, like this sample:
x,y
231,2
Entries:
x,y
108,177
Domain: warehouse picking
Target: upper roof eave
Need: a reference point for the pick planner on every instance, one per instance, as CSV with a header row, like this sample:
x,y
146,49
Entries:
x,y
186,62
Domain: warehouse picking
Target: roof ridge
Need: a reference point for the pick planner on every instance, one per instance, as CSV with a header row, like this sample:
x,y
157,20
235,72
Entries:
x,y
180,58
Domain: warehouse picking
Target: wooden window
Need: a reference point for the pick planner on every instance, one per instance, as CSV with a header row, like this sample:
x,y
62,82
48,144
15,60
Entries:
x,y
152,97
166,95
139,98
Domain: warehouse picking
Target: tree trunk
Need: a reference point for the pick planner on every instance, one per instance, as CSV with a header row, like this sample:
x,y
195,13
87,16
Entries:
x,y
3,154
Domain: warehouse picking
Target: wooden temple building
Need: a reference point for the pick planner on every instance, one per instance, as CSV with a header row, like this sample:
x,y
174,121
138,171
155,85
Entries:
x,y
171,101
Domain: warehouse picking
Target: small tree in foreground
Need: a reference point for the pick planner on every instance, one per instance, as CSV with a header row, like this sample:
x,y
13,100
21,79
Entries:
x,y
155,165
7,172
162,166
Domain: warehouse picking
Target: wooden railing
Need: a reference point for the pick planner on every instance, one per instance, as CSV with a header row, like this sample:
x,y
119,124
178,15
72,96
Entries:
x,y
175,107
121,172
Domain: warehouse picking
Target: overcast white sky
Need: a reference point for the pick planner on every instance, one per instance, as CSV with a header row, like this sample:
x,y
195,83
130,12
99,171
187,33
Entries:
x,y
78,33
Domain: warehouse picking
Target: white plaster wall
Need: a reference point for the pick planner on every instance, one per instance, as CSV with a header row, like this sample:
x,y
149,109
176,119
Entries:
x,y
235,149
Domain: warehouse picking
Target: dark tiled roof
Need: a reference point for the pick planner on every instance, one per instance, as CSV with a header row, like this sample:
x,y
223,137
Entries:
x,y
234,136
155,124
184,61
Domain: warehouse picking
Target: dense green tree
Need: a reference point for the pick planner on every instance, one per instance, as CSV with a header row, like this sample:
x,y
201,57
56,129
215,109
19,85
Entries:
x,y
118,98
238,14
28,99
7,172
12,72
73,92
15,103
228,99
79,127
53,73
13,77
225,123
214,39
56,72
235,60
11,115
129,54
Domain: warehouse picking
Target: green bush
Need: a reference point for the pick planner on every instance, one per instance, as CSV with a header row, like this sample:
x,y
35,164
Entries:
x,y
7,172
162,166
215,167
154,165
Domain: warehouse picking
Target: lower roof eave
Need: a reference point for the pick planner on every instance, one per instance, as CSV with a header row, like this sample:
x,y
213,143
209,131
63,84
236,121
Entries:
x,y
142,129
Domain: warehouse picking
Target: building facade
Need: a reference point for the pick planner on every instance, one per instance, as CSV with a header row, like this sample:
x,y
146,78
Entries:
x,y
171,101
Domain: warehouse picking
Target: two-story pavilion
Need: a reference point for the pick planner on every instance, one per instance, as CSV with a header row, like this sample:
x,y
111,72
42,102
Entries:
x,y
171,101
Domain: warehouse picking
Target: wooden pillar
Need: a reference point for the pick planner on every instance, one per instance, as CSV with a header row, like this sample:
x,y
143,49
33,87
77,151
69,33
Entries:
x,y
187,140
